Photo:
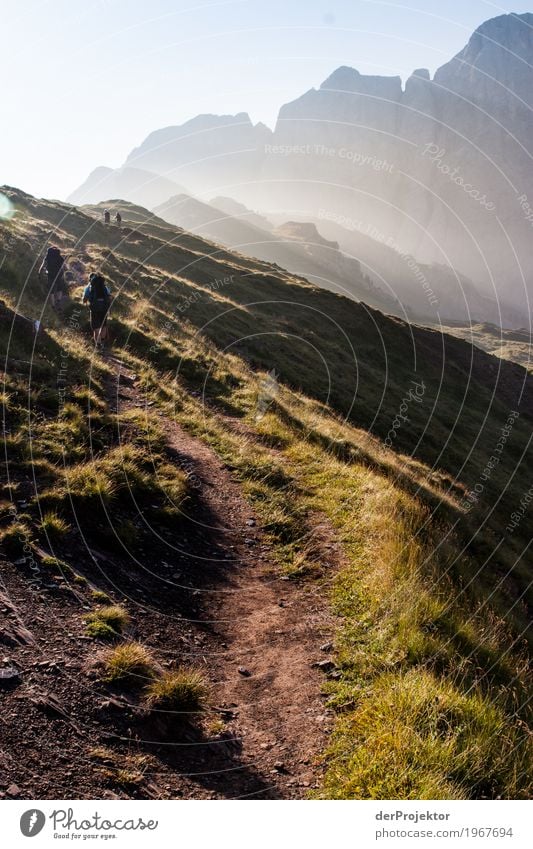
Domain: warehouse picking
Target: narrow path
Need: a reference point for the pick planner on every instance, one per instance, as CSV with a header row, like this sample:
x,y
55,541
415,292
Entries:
x,y
266,634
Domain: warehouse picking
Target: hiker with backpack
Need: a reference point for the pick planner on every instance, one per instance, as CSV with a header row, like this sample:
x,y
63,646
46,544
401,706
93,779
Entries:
x,y
118,219
53,265
107,216
98,296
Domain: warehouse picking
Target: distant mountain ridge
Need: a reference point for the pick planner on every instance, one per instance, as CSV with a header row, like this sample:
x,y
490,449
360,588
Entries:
x,y
295,247
441,167
135,184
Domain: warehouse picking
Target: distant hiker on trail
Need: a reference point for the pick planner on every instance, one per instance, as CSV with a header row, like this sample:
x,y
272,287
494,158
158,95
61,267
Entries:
x,y
54,266
107,216
98,296
118,218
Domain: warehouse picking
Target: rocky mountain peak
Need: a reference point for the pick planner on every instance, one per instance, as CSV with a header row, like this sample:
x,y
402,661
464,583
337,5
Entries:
x,y
495,62
346,79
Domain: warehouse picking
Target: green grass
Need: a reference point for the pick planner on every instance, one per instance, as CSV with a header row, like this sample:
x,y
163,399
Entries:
x,y
55,564
125,769
416,737
17,539
90,485
183,691
53,526
107,622
508,344
129,664
100,597
416,717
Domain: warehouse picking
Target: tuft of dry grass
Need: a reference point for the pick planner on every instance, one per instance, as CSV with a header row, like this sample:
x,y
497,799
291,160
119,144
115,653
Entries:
x,y
100,597
16,539
180,691
53,525
127,770
107,622
130,664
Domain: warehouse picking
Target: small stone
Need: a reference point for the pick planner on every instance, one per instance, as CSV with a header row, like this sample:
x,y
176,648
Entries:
x,y
50,704
242,670
324,665
250,523
112,703
279,766
326,647
13,790
9,675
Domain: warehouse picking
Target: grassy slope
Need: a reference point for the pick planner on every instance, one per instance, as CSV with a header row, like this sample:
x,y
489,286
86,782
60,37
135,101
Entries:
x,y
432,615
514,345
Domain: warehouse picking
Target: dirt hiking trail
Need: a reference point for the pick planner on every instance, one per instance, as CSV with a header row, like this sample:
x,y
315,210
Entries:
x,y
267,633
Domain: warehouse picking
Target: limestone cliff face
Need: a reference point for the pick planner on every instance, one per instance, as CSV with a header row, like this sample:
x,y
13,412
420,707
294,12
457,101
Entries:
x,y
207,152
442,166
495,63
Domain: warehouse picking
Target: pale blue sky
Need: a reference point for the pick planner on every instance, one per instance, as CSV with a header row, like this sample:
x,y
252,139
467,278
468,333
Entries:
x,y
84,81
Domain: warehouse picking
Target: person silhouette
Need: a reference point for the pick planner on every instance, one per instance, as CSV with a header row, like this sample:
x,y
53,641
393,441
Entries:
x,y
54,266
98,296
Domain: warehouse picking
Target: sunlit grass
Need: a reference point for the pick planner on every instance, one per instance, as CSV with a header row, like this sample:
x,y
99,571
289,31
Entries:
x,y
54,526
130,664
107,622
182,691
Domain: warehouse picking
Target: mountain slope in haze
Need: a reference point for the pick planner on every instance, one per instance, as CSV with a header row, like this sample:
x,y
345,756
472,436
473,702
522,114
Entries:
x,y
442,167
132,184
239,210
234,386
209,151
512,345
305,232
312,256
350,262
426,292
